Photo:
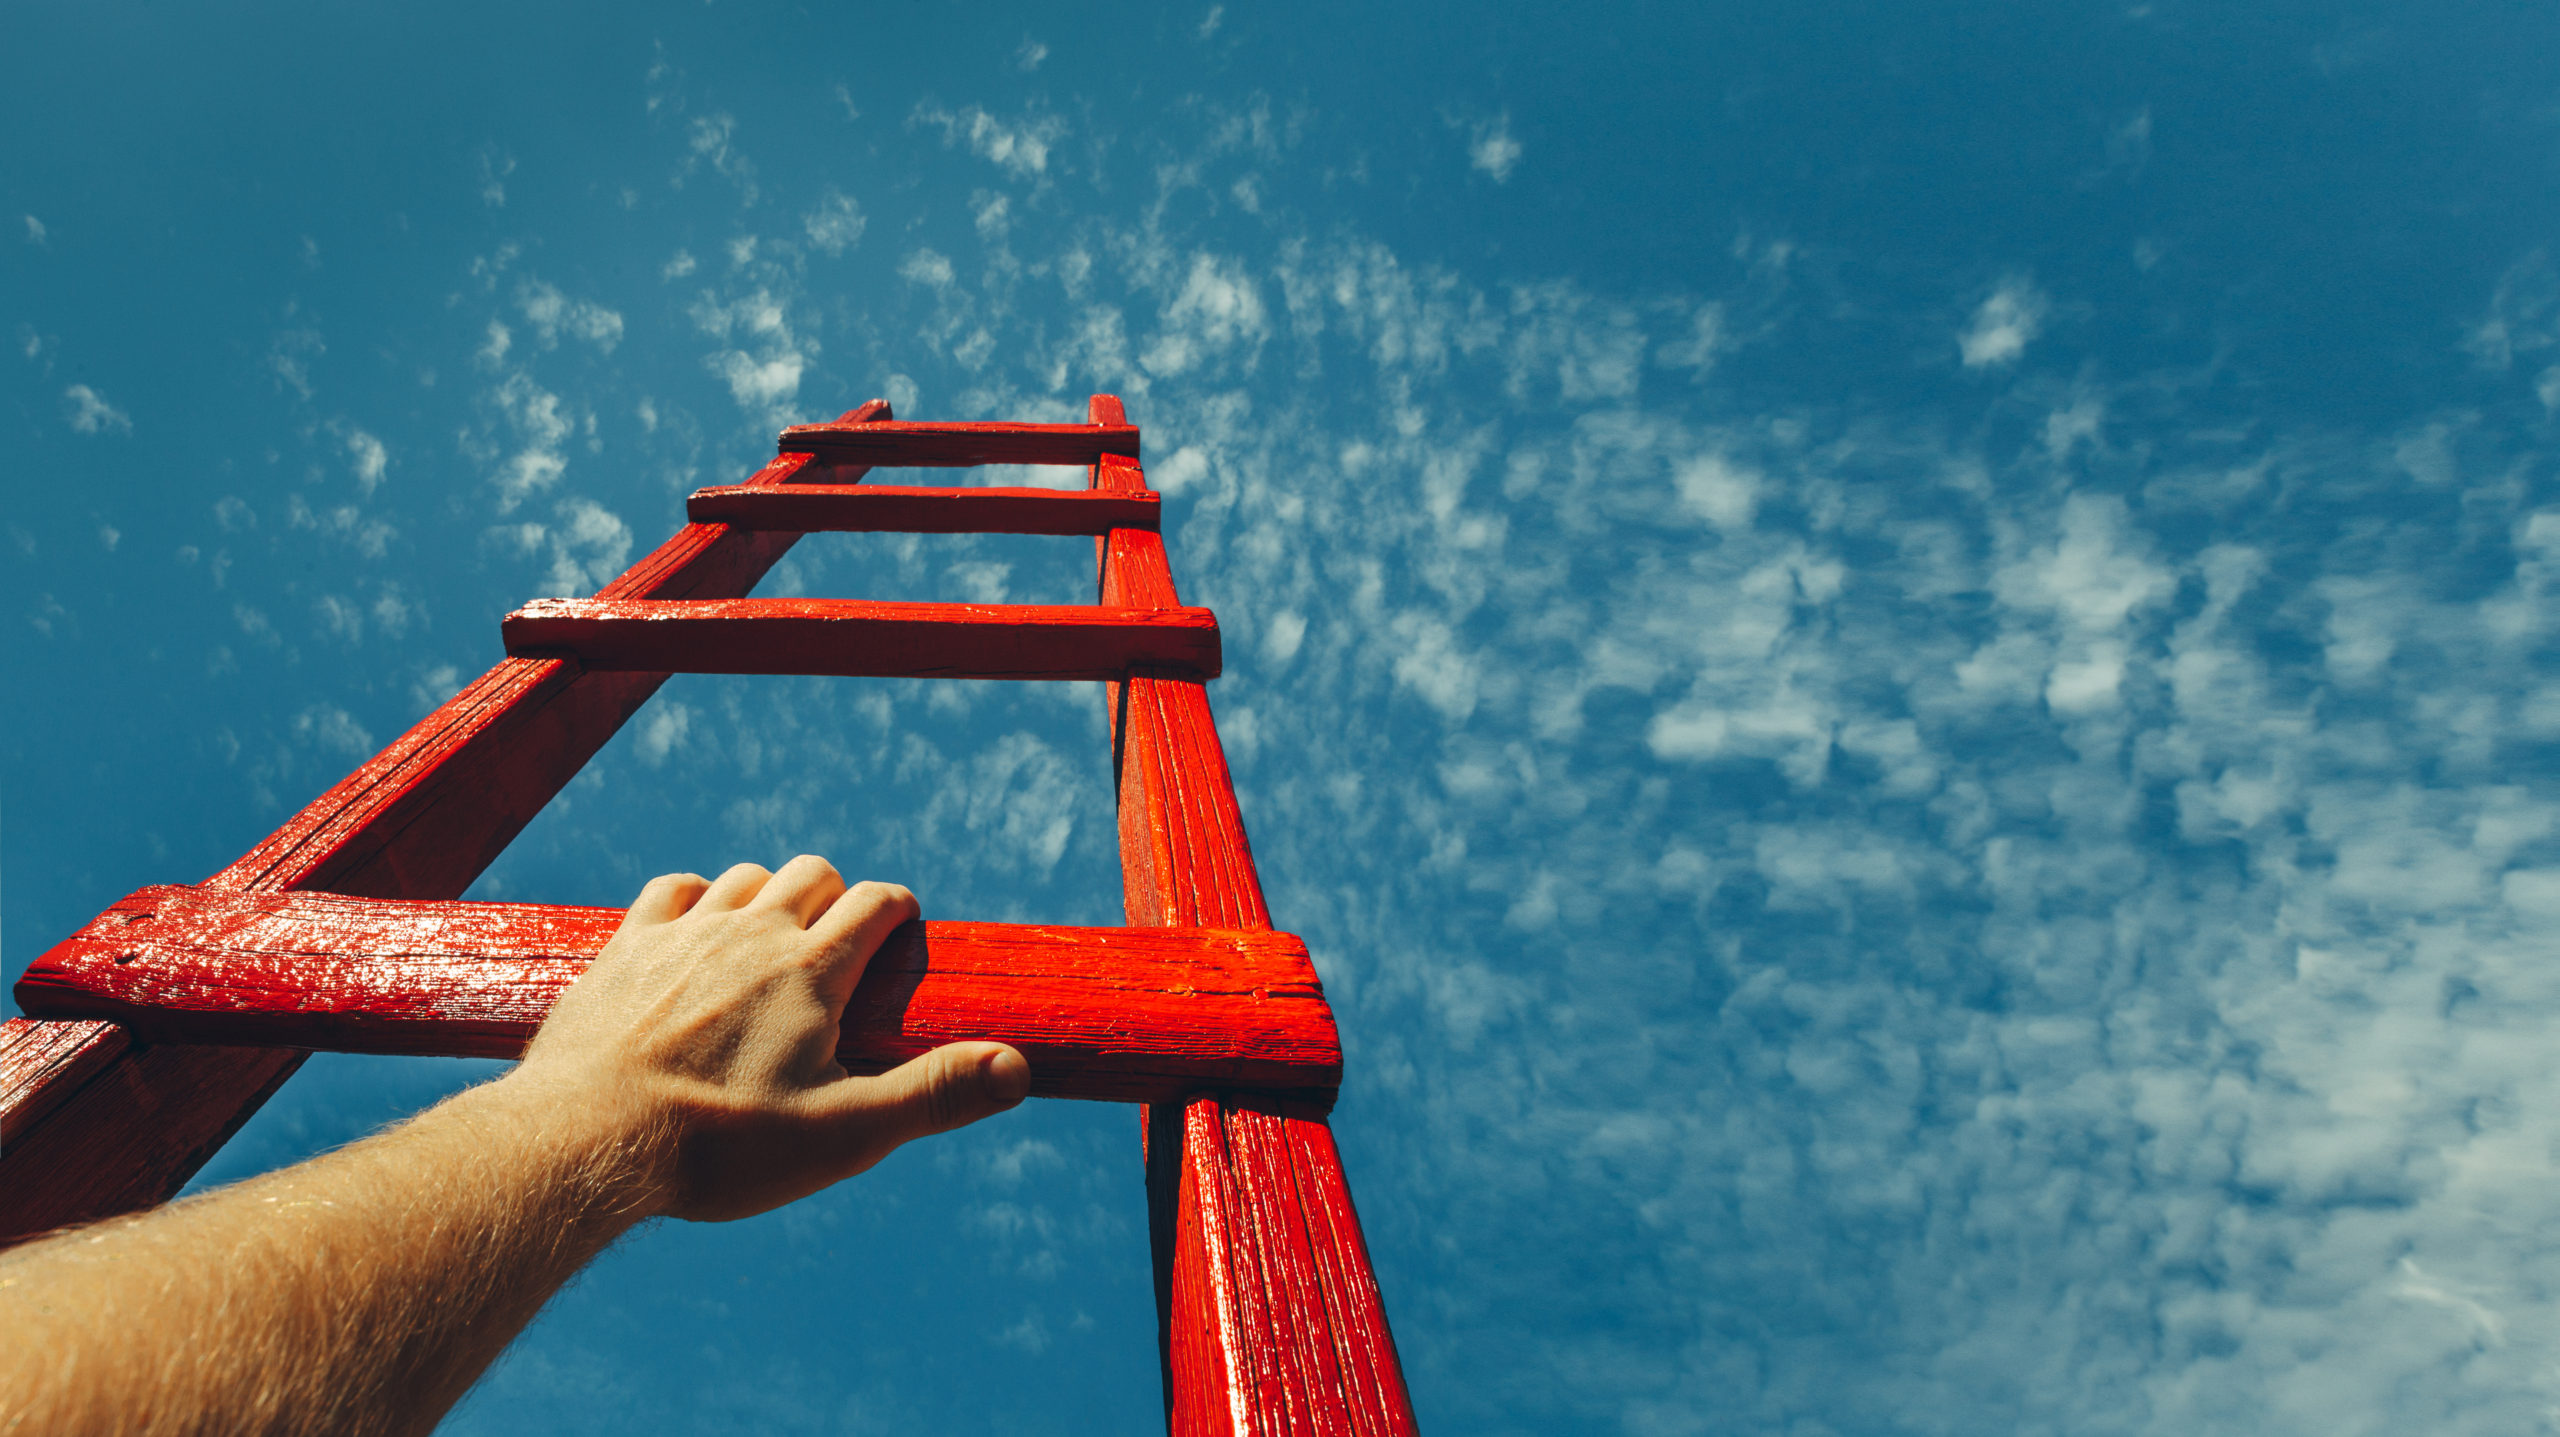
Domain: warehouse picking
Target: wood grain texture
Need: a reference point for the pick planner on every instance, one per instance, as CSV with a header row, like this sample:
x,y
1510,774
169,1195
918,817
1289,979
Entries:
x,y
853,637
1114,1014
1270,1318
43,1063
958,446
420,820
882,509
133,1134
1284,1329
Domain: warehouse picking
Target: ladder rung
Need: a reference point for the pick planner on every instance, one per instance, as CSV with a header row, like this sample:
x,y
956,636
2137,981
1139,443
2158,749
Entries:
x,y
853,638
884,509
1123,1014
958,446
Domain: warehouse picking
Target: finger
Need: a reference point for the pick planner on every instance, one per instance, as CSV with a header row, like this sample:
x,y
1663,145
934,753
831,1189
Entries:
x,y
735,888
666,898
804,886
951,1087
852,929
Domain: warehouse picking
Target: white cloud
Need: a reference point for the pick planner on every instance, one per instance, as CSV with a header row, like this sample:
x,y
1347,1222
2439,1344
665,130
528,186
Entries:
x,y
369,535
341,617
2129,144
1493,150
2003,325
1020,147
2031,875
494,169
1431,661
711,140
2523,317
761,359
1179,471
88,412
289,359
1282,637
1028,57
759,384
901,393
541,425
663,731
1717,490
994,214
2093,570
369,459
1696,350
677,267
1217,308
333,729
35,229
585,543
836,224
553,314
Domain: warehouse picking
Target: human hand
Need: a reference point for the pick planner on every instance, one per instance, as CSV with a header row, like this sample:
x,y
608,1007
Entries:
x,y
706,1032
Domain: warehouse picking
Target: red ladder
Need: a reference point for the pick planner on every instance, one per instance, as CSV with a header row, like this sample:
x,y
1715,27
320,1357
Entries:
x,y
160,1026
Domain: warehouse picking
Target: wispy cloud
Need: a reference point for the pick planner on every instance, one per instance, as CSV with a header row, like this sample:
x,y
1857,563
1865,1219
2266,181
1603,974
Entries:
x,y
1492,150
537,429
836,224
368,457
2003,325
760,358
2021,909
711,140
1775,747
495,166
1020,147
88,412
553,314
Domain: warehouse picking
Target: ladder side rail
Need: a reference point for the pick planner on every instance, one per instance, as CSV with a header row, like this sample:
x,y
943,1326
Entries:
x,y
1269,1315
421,820
43,1063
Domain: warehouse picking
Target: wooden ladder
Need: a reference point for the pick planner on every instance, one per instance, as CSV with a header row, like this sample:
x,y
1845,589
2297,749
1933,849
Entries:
x,y
158,1028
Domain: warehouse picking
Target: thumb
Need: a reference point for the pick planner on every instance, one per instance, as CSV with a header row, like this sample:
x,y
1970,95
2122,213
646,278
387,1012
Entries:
x,y
951,1087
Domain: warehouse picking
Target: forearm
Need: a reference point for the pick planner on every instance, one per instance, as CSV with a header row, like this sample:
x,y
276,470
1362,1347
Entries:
x,y
690,1072
362,1291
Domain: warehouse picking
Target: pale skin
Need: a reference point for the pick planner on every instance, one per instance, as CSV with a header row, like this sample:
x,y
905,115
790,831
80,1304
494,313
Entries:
x,y
690,1073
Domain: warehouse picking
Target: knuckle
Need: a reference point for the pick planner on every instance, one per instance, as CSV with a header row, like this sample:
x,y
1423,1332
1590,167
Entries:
x,y
886,895
946,1093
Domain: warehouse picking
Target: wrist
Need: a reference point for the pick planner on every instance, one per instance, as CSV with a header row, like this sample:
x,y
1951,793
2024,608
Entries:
x,y
607,1157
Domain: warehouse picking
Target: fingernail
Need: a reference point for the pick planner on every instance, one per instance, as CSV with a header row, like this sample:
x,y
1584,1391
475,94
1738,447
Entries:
x,y
1008,1077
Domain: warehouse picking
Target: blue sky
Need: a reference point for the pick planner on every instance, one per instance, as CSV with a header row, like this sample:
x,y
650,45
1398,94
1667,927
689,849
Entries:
x,y
1897,659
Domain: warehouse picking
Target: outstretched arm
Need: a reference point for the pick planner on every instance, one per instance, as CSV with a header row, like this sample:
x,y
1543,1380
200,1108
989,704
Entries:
x,y
690,1073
